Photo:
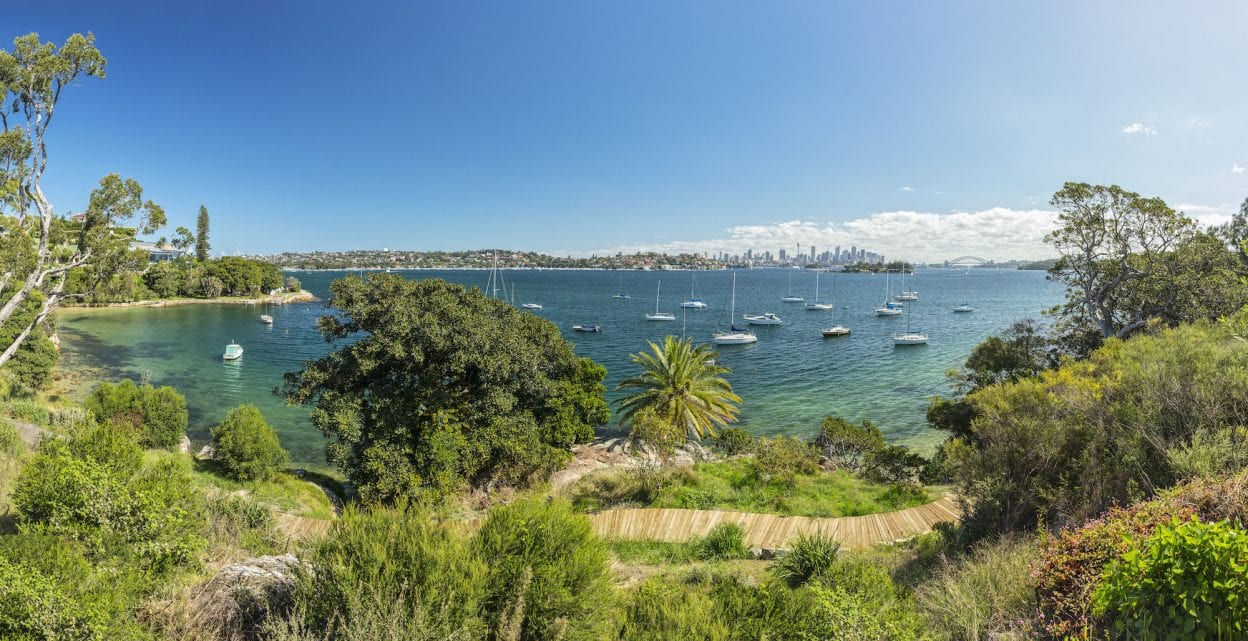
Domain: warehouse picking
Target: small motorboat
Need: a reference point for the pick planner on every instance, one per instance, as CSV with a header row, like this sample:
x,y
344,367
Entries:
x,y
767,318
266,319
792,299
621,296
838,330
233,352
963,308
592,327
531,306
815,307
660,316
907,296
695,303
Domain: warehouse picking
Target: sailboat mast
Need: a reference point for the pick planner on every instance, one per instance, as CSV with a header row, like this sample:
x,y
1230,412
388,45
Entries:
x,y
656,297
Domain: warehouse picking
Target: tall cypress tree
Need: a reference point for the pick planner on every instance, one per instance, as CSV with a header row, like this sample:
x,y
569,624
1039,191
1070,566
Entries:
x,y
202,248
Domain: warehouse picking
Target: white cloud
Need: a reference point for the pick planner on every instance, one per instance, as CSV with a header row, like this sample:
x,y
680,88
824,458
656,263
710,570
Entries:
x,y
1207,215
997,233
1237,168
1139,128
907,188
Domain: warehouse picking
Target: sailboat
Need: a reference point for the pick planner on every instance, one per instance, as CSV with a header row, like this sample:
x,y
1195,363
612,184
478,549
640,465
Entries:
x,y
963,308
835,330
735,335
657,315
910,336
890,308
694,302
620,293
816,306
907,294
789,297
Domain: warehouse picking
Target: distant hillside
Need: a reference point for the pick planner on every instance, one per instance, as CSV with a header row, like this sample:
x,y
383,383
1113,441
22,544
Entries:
x,y
1038,265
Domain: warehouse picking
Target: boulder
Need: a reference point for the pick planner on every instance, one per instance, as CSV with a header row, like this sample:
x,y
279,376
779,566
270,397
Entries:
x,y
239,597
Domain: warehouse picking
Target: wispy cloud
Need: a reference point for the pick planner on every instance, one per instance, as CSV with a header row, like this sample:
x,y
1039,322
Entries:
x,y
1237,168
1139,128
1207,215
997,233
907,188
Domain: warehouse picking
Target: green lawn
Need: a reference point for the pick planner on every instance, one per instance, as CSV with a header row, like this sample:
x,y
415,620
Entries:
x,y
734,485
287,493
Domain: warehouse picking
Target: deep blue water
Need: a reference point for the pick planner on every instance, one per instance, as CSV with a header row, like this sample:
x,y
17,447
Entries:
x,y
789,380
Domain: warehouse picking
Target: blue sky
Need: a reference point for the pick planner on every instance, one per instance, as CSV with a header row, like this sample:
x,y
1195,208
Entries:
x,y
583,126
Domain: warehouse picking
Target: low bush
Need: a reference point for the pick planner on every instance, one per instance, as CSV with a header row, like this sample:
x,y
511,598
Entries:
x,y
986,594
95,489
659,609
1188,578
809,554
547,573
247,446
894,464
725,541
784,458
157,414
734,440
33,606
847,444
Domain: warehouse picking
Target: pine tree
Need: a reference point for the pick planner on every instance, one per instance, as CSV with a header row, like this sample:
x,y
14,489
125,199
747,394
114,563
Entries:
x,y
202,248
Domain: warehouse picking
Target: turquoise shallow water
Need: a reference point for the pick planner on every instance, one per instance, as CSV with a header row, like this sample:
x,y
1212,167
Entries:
x,y
788,380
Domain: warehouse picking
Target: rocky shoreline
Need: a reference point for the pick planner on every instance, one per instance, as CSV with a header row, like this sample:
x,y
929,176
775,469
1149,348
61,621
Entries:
x,y
297,297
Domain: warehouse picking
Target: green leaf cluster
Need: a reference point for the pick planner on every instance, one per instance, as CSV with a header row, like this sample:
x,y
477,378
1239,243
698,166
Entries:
x,y
683,385
435,386
1188,580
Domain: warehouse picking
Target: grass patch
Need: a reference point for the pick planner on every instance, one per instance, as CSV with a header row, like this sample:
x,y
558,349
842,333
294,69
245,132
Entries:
x,y
286,493
635,552
736,485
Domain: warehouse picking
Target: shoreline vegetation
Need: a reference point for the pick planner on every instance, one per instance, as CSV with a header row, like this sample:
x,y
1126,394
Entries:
x,y
284,298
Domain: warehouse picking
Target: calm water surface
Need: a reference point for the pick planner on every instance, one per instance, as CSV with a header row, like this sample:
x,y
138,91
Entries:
x,y
788,380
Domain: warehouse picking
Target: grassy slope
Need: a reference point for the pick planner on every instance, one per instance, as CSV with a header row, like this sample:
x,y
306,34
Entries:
x,y
733,485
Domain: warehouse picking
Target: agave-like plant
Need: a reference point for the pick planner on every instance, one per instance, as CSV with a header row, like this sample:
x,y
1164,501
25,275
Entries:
x,y
684,385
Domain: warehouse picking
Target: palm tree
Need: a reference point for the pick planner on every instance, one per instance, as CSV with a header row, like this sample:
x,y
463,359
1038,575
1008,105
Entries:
x,y
683,385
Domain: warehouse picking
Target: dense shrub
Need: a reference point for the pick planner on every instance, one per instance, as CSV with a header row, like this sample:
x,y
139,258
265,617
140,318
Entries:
x,y
986,594
659,610
783,458
1063,447
96,489
1187,578
158,414
30,368
247,446
547,572
725,541
847,444
395,570
893,464
1070,564
809,554
735,440
34,606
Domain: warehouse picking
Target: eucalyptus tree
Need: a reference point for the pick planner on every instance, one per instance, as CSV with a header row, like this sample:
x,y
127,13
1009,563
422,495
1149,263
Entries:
x,y
1110,240
681,384
37,248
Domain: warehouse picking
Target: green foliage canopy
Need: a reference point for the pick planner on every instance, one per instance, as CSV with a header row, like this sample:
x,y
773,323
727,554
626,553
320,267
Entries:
x,y
157,415
443,386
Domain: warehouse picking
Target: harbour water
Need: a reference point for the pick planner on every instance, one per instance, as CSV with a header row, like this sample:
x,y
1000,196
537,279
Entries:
x,y
789,380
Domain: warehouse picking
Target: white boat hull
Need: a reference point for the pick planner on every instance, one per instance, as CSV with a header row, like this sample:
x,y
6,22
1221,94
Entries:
x,y
660,317
962,310
835,331
734,338
887,312
693,304
792,299
910,339
815,307
763,320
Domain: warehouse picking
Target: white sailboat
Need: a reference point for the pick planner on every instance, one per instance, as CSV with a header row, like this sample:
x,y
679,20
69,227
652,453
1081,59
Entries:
x,y
817,306
789,297
657,315
735,335
963,308
835,330
907,294
910,336
890,308
620,293
694,302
